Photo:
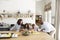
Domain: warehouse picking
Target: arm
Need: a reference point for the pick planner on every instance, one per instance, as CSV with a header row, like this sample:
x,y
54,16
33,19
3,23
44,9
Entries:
x,y
12,28
42,28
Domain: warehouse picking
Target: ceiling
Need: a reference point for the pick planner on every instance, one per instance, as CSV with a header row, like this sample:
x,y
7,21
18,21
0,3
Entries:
x,y
10,0
38,0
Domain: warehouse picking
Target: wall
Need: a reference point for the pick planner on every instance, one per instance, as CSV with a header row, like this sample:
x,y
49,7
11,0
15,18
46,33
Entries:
x,y
53,9
14,20
27,18
12,6
15,5
40,7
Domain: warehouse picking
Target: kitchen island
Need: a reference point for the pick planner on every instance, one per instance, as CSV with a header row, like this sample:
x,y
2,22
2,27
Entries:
x,y
40,36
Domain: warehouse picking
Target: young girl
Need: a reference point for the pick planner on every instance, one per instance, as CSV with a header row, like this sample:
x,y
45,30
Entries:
x,y
35,27
26,26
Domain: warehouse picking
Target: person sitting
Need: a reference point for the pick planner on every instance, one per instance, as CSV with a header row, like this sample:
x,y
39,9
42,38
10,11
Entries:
x,y
18,26
27,26
35,27
47,27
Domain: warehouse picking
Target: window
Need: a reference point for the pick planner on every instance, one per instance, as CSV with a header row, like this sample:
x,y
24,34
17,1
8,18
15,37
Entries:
x,y
49,16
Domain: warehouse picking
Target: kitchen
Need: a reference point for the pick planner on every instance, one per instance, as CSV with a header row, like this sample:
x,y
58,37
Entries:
x,y
29,11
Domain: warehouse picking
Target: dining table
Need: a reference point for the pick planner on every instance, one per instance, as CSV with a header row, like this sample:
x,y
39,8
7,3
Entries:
x,y
36,36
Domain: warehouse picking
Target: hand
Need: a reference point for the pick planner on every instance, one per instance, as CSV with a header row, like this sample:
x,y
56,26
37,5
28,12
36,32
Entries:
x,y
39,29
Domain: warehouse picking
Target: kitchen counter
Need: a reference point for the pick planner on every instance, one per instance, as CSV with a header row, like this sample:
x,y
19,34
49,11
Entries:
x,y
4,28
40,36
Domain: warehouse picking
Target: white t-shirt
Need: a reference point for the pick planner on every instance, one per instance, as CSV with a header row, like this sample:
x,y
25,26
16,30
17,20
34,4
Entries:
x,y
47,27
16,27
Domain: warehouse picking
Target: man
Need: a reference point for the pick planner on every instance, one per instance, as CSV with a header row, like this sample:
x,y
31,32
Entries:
x,y
47,27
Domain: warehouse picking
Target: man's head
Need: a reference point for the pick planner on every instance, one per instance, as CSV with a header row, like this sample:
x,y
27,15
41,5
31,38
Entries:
x,y
40,21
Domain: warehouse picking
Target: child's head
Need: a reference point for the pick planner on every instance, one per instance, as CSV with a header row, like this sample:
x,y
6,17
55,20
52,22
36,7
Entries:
x,y
33,26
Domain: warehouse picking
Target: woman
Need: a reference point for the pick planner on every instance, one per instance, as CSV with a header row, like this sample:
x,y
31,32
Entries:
x,y
18,26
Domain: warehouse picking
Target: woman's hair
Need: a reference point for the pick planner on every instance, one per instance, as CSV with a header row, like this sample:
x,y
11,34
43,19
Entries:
x,y
19,21
27,26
